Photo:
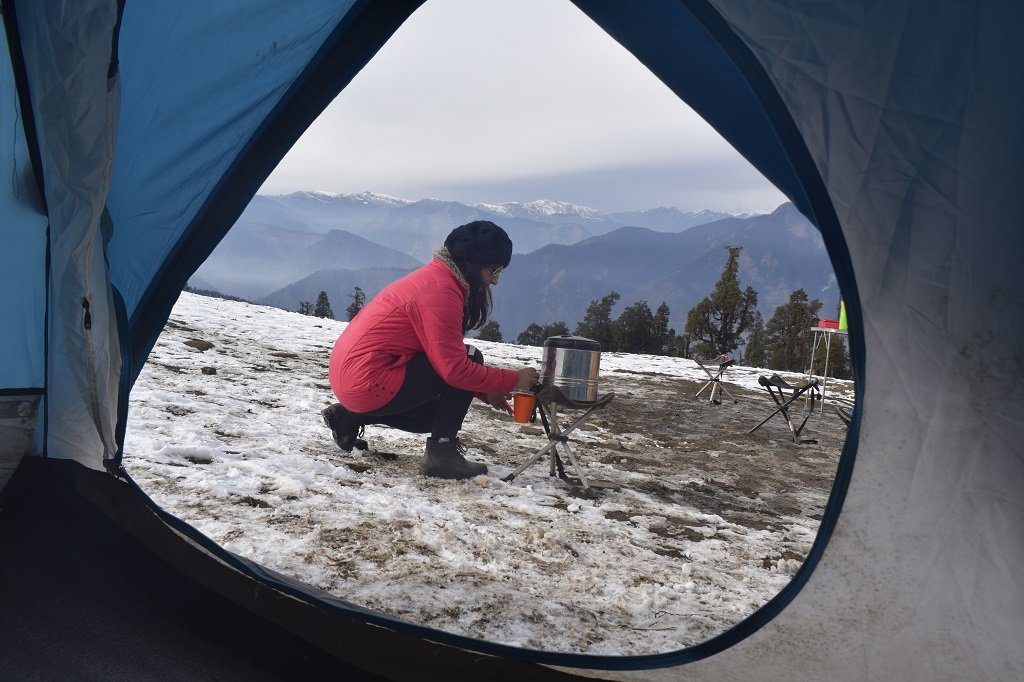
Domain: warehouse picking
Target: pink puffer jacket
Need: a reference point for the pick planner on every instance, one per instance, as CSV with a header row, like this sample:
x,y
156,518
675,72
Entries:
x,y
420,313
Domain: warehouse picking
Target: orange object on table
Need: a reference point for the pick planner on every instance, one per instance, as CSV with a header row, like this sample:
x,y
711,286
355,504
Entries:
x,y
522,406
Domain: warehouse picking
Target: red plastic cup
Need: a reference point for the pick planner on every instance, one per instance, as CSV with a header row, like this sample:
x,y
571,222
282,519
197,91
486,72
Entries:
x,y
522,406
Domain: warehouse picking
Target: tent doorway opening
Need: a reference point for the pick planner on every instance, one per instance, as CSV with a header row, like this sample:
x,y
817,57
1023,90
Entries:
x,y
705,523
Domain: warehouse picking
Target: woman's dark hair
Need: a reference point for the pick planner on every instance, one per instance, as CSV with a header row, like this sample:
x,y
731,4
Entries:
x,y
478,300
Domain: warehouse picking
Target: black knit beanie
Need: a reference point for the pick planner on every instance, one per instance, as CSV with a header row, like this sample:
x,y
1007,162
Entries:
x,y
480,241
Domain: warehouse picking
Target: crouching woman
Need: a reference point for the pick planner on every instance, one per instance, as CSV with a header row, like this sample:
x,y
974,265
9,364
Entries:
x,y
401,362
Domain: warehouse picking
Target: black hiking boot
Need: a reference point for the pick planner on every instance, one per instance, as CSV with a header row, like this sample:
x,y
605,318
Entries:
x,y
447,460
345,427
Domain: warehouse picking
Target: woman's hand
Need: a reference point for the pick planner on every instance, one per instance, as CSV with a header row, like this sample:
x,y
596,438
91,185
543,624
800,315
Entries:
x,y
528,378
499,401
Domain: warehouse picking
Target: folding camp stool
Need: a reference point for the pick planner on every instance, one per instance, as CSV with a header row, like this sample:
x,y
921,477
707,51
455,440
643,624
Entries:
x,y
775,385
549,398
715,368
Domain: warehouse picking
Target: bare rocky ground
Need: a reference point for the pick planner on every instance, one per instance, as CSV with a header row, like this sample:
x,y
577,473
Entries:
x,y
712,521
659,439
755,480
680,448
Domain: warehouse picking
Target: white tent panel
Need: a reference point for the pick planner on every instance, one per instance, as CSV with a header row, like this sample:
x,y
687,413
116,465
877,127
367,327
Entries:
x,y
202,77
67,56
918,139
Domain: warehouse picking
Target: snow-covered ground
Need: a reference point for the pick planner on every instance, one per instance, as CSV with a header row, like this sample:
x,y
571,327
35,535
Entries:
x,y
229,438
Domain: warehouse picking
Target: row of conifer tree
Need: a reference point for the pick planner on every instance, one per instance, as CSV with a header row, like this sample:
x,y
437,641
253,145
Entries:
x,y
725,321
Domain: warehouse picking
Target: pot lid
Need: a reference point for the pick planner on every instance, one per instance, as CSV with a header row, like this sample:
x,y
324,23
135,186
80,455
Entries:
x,y
574,342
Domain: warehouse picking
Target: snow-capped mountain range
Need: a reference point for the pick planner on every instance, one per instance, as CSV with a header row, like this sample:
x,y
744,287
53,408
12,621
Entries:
x,y
280,239
541,209
285,249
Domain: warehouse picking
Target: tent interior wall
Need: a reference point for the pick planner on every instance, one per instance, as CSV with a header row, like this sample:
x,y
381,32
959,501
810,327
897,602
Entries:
x,y
894,127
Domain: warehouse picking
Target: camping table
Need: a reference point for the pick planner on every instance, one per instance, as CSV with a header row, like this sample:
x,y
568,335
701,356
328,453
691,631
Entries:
x,y
823,335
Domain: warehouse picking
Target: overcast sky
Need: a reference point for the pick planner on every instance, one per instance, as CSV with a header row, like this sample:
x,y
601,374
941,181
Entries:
x,y
515,100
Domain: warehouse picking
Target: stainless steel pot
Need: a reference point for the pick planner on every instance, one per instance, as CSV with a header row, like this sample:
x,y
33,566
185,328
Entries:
x,y
572,363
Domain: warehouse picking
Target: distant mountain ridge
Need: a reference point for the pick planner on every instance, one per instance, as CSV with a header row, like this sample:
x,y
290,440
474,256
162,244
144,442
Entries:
x,y
326,210
417,227
782,252
280,239
258,256
286,249
338,284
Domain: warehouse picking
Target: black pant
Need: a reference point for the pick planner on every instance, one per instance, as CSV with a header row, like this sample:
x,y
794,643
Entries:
x,y
425,403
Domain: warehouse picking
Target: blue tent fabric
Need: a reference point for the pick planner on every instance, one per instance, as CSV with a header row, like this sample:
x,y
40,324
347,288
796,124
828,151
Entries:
x,y
305,54
23,277
134,134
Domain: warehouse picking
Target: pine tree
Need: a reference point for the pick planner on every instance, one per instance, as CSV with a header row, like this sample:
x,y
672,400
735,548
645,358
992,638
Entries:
x,y
491,331
305,308
661,335
755,352
535,334
597,321
681,345
787,340
323,307
633,331
358,301
717,323
556,329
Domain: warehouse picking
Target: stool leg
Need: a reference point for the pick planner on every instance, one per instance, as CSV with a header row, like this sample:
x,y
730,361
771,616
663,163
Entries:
x,y
781,408
556,435
535,458
765,420
547,424
812,394
705,387
721,385
575,464
711,383
717,386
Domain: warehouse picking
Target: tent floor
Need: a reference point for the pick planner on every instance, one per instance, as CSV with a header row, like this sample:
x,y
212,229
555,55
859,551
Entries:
x,y
80,599
94,585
